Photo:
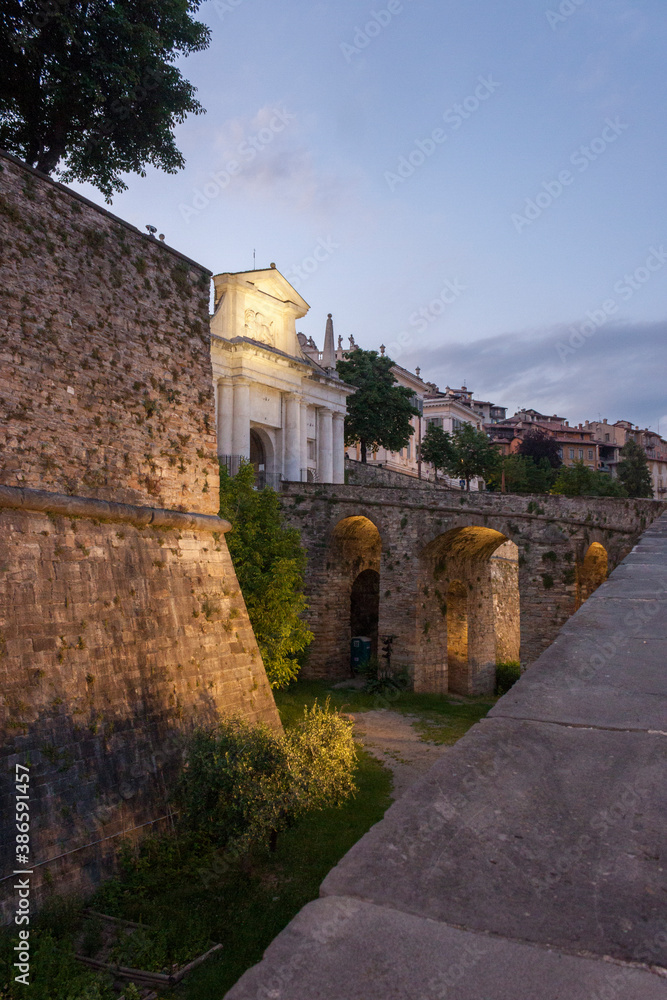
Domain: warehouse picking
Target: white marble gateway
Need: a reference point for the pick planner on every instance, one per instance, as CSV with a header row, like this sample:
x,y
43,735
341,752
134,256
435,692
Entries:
x,y
276,406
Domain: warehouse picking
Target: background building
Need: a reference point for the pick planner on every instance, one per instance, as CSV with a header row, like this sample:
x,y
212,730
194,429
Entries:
x,y
276,405
611,438
575,444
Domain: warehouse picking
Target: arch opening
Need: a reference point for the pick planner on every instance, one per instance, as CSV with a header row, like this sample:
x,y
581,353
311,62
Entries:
x,y
365,607
351,608
506,603
591,572
457,634
262,458
468,618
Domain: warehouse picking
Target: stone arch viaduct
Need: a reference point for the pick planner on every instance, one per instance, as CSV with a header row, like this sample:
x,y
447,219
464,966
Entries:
x,y
461,580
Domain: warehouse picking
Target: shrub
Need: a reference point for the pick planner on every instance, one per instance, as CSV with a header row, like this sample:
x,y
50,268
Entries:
x,y
507,674
578,480
380,679
243,784
55,972
270,564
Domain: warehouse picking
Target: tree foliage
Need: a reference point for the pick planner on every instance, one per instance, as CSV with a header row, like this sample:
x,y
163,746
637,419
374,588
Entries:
x,y
537,444
633,470
270,562
579,480
473,454
378,414
243,784
523,475
437,448
88,87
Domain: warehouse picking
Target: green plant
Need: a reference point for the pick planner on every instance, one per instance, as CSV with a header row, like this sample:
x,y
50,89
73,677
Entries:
x,y
270,564
243,784
66,104
436,447
507,674
472,454
55,974
578,480
633,470
378,414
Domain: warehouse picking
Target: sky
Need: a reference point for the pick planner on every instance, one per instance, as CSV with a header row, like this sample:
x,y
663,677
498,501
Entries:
x,y
480,186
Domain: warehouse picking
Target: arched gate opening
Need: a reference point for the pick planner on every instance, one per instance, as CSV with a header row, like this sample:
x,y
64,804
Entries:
x,y
591,572
468,613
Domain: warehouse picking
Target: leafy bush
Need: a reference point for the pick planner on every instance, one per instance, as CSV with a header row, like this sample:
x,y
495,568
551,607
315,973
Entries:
x,y
579,481
269,561
322,758
55,974
243,784
507,674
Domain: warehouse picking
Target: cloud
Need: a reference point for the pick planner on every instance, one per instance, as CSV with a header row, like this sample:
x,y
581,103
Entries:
x,y
275,162
617,373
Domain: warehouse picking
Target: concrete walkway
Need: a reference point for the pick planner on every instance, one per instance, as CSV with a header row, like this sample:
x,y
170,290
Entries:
x,y
529,863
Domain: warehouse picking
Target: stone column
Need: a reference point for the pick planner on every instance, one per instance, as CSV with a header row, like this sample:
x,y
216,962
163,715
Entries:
x,y
241,421
304,439
339,448
225,415
292,436
325,445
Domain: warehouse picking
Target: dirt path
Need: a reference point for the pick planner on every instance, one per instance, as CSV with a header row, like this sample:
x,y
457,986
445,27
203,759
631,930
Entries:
x,y
393,740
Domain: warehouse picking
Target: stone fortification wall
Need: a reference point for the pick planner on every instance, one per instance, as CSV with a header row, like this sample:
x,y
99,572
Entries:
x,y
105,375
116,639
121,624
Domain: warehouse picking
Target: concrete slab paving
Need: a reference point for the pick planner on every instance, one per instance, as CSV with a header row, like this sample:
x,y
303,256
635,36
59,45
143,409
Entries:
x,y
538,832
608,680
344,949
634,618
638,587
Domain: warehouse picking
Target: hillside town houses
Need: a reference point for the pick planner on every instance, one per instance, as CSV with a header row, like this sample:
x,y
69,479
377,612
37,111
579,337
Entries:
x,y
281,404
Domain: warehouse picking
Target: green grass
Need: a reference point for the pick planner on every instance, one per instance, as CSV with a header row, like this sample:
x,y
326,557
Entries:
x,y
250,908
442,720
290,702
184,889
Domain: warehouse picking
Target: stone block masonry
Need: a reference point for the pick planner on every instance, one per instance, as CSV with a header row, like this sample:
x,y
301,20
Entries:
x,y
116,637
122,625
105,375
459,573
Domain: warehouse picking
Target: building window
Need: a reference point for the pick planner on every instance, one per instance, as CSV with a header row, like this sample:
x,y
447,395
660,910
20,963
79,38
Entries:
x,y
581,453
436,421
606,437
571,452
457,423
590,452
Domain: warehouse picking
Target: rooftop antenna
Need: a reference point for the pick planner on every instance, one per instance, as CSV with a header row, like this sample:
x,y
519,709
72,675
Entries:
x,y
254,261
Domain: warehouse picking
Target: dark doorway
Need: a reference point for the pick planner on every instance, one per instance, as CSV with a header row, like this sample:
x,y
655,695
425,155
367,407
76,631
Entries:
x,y
365,607
258,458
